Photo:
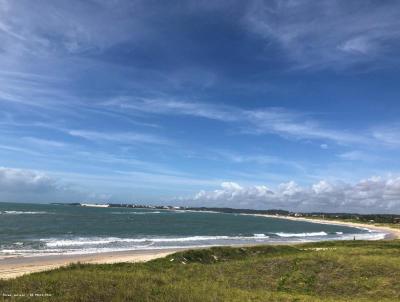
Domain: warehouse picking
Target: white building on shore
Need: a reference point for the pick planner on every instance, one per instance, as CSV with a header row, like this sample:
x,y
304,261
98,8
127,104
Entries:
x,y
95,205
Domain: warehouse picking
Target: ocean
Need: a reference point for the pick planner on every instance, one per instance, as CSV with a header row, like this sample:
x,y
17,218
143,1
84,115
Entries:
x,y
42,229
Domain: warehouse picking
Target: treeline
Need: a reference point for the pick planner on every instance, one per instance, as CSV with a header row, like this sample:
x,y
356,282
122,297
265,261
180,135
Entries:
x,y
378,218
240,211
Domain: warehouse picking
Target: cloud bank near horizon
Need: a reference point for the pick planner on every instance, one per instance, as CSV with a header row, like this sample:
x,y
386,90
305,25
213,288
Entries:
x,y
373,195
21,185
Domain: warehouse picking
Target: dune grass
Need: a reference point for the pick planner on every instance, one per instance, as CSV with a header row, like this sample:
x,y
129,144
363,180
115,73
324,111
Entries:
x,y
325,271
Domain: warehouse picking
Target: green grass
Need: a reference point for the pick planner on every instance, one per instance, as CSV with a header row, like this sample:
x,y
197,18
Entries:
x,y
325,271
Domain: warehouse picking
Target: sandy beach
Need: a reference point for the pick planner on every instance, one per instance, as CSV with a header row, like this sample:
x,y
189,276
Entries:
x,y
13,267
17,266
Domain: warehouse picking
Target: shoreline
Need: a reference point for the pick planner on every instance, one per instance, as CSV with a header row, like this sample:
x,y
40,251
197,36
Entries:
x,y
12,267
391,233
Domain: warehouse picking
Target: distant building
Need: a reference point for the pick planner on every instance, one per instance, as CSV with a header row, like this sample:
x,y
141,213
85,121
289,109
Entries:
x,y
95,205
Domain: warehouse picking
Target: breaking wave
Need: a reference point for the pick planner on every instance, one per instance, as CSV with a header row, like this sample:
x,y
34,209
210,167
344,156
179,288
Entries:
x,y
312,234
22,212
87,241
97,244
135,213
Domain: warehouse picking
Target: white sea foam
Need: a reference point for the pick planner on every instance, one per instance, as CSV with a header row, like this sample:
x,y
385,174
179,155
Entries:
x,y
135,213
22,212
90,241
311,234
78,242
88,245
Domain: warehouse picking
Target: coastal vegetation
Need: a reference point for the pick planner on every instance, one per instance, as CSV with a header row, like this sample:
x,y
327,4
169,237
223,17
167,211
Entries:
x,y
323,271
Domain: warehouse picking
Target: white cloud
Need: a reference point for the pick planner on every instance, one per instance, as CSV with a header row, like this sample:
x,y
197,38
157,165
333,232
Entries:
x,y
322,187
357,45
16,180
289,189
232,194
22,185
371,195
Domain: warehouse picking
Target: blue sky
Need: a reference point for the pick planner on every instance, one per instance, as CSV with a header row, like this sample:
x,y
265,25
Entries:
x,y
223,103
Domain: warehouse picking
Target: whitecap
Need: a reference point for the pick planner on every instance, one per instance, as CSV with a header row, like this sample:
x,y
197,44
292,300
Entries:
x,y
311,234
22,212
96,241
135,213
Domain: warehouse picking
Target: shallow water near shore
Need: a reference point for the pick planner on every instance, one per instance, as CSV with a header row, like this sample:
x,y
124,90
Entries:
x,y
39,229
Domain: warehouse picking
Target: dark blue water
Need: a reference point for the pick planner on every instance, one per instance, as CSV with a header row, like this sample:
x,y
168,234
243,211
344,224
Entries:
x,y
27,229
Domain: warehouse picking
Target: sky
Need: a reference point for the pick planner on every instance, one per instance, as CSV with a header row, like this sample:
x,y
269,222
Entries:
x,y
247,104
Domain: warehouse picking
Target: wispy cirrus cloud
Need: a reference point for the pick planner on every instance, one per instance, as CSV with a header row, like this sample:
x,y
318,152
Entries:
x,y
245,158
12,148
44,143
279,121
119,137
297,125
29,32
169,106
388,135
357,155
252,158
328,34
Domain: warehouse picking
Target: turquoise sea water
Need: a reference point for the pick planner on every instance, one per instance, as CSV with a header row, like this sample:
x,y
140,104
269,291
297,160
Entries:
x,y
36,229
